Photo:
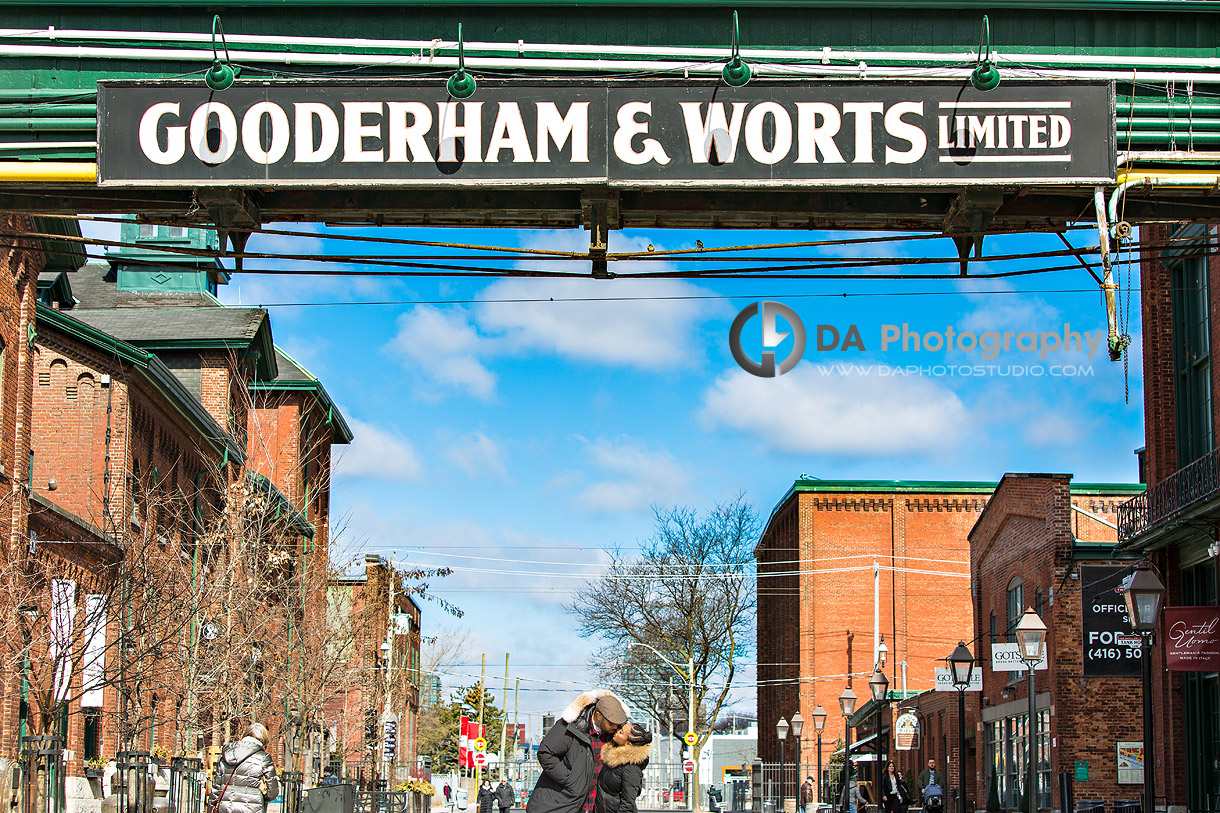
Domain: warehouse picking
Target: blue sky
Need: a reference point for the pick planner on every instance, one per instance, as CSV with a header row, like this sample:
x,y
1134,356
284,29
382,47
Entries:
x,y
538,435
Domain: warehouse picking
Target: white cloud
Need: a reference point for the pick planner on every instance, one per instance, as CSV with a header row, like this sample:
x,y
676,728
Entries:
x,y
637,477
444,348
642,332
477,456
818,408
377,453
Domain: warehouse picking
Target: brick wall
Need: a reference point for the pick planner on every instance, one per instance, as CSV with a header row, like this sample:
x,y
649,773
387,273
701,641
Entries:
x,y
817,627
1027,533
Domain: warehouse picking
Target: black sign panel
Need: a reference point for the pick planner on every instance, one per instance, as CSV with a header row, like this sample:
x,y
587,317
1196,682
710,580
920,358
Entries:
x,y
694,134
1111,648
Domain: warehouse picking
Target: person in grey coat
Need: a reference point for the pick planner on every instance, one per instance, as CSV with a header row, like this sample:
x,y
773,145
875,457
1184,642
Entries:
x,y
244,780
505,796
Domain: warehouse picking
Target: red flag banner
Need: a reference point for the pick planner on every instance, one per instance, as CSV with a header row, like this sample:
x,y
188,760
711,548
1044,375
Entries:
x,y
463,743
1192,639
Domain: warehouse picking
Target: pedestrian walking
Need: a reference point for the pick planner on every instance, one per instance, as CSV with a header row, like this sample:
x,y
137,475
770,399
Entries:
x,y
894,793
505,796
621,778
448,794
852,800
806,795
930,776
570,753
244,780
486,798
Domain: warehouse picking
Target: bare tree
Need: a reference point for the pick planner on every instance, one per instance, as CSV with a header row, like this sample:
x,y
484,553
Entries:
x,y
688,595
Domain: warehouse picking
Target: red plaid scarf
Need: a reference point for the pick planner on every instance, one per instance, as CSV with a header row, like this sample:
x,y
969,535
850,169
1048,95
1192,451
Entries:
x,y
596,740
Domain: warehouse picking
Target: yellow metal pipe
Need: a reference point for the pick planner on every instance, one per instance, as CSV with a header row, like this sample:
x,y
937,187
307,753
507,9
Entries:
x,y
1142,174
12,172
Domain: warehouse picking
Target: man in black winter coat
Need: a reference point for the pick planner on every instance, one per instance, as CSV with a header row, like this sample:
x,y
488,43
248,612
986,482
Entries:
x,y
571,751
505,797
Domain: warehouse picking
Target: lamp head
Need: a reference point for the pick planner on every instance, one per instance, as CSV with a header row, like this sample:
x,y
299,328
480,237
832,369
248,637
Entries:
x,y
798,724
879,686
220,76
961,662
819,718
781,729
1031,636
985,76
847,702
1144,594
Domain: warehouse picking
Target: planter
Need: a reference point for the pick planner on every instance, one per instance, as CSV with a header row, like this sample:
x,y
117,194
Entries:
x,y
95,773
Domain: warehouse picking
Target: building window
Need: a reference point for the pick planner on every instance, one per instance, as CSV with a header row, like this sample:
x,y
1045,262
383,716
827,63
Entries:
x,y
1007,757
93,733
1192,359
1016,606
1038,601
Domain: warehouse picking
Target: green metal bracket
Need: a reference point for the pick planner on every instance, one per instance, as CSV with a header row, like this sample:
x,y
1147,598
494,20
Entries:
x,y
737,72
461,85
985,75
221,75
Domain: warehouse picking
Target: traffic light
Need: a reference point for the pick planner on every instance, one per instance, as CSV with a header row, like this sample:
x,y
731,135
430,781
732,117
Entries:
x,y
370,729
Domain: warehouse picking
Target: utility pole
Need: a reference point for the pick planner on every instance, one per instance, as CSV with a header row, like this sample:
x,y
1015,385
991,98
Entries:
x,y
516,709
478,772
504,728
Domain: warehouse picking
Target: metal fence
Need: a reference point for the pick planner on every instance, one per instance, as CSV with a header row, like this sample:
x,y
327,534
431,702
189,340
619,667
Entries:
x,y
382,802
42,775
778,789
185,785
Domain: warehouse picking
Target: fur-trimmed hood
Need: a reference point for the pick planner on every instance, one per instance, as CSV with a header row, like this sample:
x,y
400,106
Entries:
x,y
582,702
614,755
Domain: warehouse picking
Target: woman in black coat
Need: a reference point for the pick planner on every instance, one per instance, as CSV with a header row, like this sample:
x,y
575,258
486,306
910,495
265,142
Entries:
x,y
894,791
622,774
486,799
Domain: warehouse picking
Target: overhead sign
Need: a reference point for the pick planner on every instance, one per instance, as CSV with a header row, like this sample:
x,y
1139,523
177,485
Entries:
x,y
633,135
1111,649
944,680
906,731
1192,639
1007,658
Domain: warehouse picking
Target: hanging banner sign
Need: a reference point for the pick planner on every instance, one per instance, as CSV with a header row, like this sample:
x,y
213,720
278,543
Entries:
x,y
1192,639
906,731
692,134
1007,658
944,680
1111,648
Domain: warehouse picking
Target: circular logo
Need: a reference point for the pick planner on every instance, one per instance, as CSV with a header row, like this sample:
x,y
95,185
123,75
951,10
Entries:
x,y
771,339
690,738
480,744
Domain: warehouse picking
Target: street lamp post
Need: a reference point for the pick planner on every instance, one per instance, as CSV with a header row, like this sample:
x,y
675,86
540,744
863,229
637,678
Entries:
x,y
781,731
819,723
1031,638
847,705
691,787
961,662
879,686
1144,594
798,725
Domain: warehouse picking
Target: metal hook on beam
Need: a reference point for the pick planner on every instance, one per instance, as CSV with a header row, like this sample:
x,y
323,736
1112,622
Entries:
x,y
985,75
461,85
221,75
737,72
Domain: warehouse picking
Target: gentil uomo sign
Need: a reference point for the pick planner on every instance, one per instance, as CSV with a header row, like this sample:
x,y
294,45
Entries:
x,y
622,134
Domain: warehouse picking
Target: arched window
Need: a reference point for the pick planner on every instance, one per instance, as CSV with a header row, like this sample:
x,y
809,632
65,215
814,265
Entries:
x,y
1016,606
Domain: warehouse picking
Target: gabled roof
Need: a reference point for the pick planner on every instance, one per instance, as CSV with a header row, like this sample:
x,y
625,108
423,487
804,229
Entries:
x,y
242,329
295,517
153,371
293,376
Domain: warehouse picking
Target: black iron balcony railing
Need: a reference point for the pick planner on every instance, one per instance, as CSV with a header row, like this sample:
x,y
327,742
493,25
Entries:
x,y
1196,483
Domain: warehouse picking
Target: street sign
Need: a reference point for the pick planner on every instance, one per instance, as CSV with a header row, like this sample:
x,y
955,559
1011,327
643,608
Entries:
x,y
480,759
688,766
690,738
944,680
1007,658
1082,770
480,744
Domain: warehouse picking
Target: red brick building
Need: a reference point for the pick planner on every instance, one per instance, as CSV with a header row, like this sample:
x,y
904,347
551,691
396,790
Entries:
x,y
1175,524
381,642
1048,544
816,595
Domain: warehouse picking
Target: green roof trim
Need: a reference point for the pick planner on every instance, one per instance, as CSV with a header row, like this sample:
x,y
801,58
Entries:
x,y
153,371
57,287
296,517
342,433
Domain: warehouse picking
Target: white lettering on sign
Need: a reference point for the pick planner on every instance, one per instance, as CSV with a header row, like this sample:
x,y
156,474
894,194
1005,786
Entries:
x,y
715,131
574,125
252,132
628,128
175,137
328,124
203,135
409,122
814,138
